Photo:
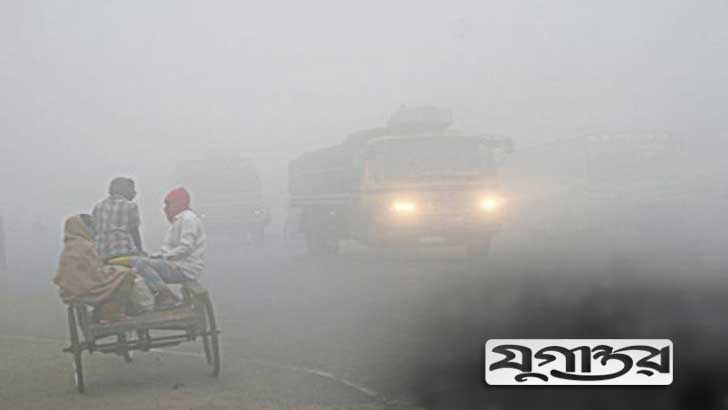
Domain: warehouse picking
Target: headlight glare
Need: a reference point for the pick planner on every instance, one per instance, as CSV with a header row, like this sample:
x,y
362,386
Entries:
x,y
404,207
491,203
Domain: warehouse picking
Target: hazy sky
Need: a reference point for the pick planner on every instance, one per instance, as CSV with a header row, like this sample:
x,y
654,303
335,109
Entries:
x,y
92,89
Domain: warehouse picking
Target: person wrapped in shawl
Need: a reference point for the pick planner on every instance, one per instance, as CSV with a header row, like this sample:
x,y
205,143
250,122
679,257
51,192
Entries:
x,y
83,278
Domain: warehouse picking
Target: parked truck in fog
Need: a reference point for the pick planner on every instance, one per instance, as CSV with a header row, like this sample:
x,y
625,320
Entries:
x,y
414,181
227,193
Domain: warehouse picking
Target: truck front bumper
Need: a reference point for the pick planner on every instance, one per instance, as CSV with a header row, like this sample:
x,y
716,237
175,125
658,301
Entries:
x,y
450,229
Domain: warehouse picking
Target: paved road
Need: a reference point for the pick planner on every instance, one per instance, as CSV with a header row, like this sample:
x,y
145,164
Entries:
x,y
364,331
298,333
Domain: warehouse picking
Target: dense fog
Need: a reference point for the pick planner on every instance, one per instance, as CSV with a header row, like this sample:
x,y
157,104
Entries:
x,y
92,90
617,111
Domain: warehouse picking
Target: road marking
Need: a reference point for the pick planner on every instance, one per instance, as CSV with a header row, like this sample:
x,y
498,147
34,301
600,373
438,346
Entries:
x,y
327,375
316,372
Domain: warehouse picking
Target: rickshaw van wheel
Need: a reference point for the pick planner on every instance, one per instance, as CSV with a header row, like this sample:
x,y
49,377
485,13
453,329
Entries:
x,y
76,350
78,374
211,342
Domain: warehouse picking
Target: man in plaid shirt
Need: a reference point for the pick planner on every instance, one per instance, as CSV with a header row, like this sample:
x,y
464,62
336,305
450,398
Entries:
x,y
116,221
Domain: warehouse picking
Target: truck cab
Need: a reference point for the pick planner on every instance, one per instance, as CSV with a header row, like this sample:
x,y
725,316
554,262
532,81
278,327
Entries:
x,y
413,181
431,189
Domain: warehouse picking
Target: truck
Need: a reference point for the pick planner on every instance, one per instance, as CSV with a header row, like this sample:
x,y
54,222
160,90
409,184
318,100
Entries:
x,y
412,182
227,193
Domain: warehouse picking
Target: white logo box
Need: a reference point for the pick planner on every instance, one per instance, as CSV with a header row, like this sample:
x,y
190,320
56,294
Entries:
x,y
578,362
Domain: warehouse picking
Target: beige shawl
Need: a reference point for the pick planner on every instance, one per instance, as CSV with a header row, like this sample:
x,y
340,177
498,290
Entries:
x,y
81,275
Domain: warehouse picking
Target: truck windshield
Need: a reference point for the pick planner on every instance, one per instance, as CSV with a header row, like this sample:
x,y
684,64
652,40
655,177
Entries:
x,y
426,158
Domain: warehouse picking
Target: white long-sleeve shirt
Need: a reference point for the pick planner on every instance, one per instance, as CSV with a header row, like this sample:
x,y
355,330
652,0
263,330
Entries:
x,y
184,244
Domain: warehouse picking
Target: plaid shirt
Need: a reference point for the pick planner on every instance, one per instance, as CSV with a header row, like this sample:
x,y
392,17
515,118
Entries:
x,y
114,217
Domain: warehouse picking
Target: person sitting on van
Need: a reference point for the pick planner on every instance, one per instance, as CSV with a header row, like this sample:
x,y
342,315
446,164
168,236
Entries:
x,y
116,219
83,278
182,255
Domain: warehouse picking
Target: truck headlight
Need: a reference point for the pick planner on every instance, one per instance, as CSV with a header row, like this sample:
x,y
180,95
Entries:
x,y
403,207
491,203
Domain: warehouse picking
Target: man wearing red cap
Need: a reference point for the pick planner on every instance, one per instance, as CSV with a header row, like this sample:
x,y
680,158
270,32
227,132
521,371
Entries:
x,y
182,254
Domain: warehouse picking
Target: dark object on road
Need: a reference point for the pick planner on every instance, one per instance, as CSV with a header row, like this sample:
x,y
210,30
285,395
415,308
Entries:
x,y
194,319
411,182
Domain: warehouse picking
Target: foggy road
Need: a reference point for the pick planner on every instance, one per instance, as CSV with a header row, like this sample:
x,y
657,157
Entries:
x,y
354,331
279,309
297,331
587,141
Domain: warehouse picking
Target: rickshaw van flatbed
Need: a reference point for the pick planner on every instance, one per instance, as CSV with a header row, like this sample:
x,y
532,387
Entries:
x,y
193,319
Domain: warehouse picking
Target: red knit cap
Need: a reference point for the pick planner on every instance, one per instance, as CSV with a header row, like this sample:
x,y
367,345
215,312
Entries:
x,y
176,201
